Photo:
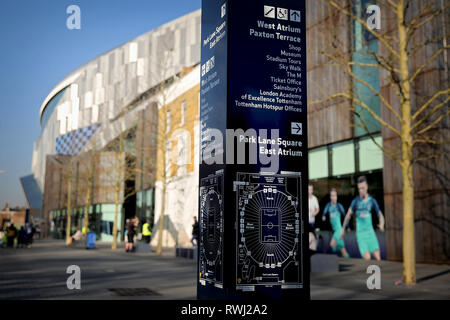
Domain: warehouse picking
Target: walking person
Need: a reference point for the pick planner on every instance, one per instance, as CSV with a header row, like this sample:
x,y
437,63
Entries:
x,y
131,228
12,234
363,206
125,234
137,236
4,238
2,234
29,235
146,233
21,237
195,232
77,236
335,210
84,231
33,232
313,205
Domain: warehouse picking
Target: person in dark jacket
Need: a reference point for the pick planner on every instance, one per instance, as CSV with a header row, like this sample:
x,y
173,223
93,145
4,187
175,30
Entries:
x,y
21,238
131,227
12,234
195,232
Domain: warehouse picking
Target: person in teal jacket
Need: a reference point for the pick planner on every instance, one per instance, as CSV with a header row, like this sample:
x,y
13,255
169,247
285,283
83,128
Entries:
x,y
363,206
335,210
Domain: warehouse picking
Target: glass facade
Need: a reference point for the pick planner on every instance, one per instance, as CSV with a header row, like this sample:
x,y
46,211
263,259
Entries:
x,y
318,163
366,84
32,192
339,165
370,155
101,221
340,159
343,158
145,205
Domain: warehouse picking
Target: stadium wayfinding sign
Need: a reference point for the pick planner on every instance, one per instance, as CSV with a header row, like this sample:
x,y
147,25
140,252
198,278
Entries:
x,y
254,163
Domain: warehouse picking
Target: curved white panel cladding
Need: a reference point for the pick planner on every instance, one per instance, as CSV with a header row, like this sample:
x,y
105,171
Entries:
x,y
100,89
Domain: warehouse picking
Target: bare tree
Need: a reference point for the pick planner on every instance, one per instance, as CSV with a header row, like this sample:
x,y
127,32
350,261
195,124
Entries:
x,y
69,178
160,158
414,120
88,198
124,171
65,163
164,135
86,180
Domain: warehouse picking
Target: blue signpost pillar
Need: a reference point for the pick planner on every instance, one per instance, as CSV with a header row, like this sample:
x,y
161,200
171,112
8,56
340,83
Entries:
x,y
253,207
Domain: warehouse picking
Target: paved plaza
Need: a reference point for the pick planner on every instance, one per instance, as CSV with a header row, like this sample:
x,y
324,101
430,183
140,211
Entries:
x,y
40,273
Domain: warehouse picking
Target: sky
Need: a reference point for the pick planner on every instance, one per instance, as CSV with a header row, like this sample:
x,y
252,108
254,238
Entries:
x,y
37,51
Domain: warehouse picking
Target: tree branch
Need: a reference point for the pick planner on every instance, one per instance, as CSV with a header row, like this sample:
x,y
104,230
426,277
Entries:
x,y
430,101
436,121
376,93
414,24
430,141
423,66
389,153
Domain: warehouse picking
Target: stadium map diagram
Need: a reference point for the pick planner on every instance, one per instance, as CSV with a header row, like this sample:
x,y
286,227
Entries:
x,y
269,230
211,232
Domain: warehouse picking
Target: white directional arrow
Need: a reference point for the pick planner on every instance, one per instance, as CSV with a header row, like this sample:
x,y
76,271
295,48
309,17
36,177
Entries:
x,y
296,128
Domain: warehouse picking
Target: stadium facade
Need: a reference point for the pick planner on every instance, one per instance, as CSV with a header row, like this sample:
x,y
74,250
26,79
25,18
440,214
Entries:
x,y
101,104
123,101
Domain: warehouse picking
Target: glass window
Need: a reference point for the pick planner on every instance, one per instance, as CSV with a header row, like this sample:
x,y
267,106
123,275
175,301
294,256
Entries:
x,y
183,113
139,199
107,227
168,120
181,150
365,46
318,163
370,155
168,150
343,156
149,197
182,155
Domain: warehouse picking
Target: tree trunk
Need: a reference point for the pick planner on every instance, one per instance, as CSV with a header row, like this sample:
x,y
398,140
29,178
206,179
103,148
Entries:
x,y
117,198
86,223
409,257
409,254
69,204
116,214
117,191
162,141
161,218
88,198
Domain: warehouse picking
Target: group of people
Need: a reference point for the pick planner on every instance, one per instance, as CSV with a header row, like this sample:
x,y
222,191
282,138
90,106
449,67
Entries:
x,y
24,236
131,225
362,207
